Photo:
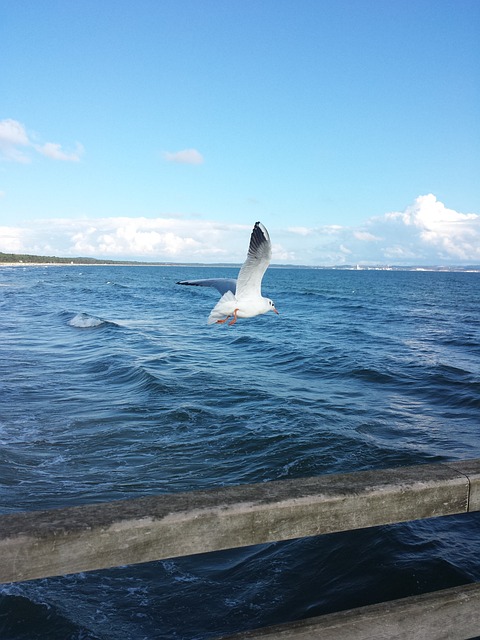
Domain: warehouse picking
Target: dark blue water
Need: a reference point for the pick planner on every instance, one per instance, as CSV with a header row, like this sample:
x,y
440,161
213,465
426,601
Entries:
x,y
113,386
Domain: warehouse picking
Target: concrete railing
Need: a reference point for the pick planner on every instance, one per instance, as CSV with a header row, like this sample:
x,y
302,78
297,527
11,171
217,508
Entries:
x,y
39,544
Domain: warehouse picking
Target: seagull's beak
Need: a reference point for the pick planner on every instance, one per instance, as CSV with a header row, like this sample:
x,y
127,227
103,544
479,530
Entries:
x,y
276,311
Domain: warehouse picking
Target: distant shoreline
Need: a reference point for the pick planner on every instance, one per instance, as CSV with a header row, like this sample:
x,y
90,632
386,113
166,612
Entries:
x,y
434,269
33,260
126,264
87,264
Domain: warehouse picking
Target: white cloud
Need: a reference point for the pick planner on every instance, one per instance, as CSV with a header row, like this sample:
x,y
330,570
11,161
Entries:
x,y
55,152
425,233
153,239
280,254
13,239
128,237
187,156
13,138
432,232
16,143
428,213
365,236
13,132
301,231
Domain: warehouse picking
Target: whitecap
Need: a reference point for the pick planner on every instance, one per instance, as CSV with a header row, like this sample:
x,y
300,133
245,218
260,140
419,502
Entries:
x,y
85,321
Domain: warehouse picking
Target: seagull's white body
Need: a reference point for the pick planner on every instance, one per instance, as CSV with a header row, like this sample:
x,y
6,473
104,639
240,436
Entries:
x,y
242,298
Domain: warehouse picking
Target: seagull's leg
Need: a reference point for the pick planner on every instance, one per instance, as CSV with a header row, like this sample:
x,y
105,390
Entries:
x,y
234,318
224,320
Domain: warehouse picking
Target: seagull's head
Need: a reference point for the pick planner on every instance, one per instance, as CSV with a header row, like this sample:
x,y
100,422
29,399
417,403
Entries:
x,y
271,306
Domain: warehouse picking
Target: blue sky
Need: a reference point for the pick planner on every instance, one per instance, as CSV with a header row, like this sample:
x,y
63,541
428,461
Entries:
x,y
164,130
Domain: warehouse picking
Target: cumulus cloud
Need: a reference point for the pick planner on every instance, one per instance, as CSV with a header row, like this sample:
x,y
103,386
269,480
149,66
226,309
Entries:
x,y
13,239
17,145
140,237
152,239
425,233
187,156
450,234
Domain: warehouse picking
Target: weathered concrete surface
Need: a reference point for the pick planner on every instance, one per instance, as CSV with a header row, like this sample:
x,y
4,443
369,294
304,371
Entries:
x,y
451,614
61,541
471,470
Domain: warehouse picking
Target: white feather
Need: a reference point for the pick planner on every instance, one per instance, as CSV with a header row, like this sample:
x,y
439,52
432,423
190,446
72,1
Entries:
x,y
224,308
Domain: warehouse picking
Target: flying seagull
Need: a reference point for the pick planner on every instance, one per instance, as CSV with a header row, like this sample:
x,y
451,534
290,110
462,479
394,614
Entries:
x,y
242,298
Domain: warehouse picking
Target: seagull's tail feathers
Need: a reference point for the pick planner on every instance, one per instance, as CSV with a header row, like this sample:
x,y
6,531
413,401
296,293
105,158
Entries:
x,y
224,308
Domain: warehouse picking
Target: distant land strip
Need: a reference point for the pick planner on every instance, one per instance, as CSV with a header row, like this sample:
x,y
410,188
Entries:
x,y
26,258
29,259
7,259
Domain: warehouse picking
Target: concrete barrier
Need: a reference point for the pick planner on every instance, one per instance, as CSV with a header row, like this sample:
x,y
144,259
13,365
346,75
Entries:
x,y
450,614
39,544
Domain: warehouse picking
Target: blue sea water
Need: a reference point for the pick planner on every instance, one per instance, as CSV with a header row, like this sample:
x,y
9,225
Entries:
x,y
113,386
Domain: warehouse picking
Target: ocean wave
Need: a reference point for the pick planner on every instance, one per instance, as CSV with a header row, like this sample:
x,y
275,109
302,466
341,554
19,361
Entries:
x,y
360,371
87,321
23,617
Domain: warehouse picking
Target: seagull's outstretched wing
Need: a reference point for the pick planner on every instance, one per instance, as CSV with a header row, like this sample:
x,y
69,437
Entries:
x,y
249,282
222,285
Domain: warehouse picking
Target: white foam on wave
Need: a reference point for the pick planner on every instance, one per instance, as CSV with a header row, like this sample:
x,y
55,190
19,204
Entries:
x,y
84,321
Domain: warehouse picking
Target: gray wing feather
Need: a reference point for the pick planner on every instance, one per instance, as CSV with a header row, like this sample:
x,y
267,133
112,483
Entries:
x,y
249,281
222,285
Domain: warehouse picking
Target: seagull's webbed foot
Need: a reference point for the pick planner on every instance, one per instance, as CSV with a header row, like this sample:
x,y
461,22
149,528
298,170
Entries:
x,y
223,321
234,318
